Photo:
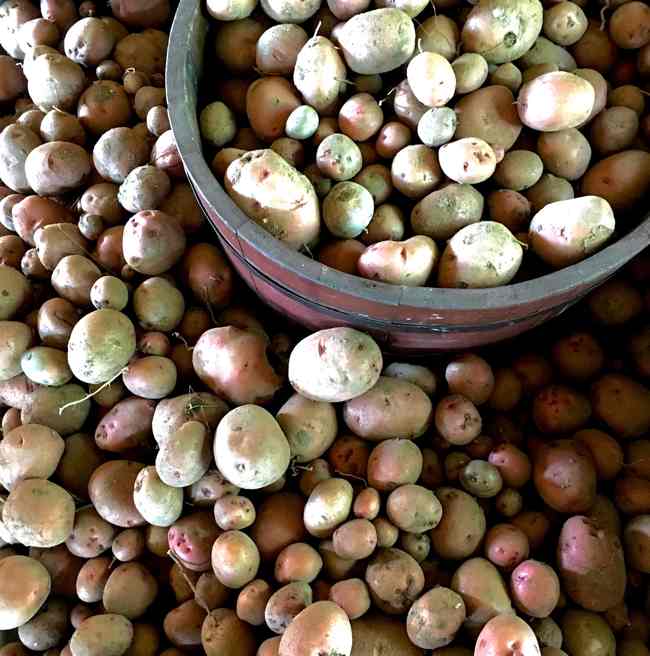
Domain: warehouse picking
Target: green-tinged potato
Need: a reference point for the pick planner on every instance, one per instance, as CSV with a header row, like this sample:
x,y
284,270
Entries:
x,y
377,41
471,71
15,290
412,7
129,590
481,479
109,292
250,448
549,189
338,157
26,586
376,178
415,171
445,211
395,580
278,47
555,101
431,78
319,74
435,618
29,451
622,180
284,604
547,53
591,564
101,344
321,628
502,30
391,408
548,632
269,102
109,635
565,232
347,209
235,559
413,508
455,538
519,170
565,23
302,123
184,457
438,34
38,513
110,489
290,12
171,414
158,503
217,124
535,588
482,589
16,340
506,75
497,636
276,196
637,543
467,161
319,365
309,426
46,629
408,262
328,506
565,153
376,633
437,126
587,634
46,366
483,254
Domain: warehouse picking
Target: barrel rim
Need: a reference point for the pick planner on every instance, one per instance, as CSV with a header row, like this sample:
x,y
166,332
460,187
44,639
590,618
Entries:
x,y
184,63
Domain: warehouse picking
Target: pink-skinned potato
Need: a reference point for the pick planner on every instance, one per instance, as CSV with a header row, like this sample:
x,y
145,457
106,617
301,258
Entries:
x,y
500,634
234,365
276,196
127,425
591,564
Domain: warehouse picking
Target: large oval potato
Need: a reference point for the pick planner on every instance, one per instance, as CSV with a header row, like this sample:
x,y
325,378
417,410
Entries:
x,y
320,365
391,408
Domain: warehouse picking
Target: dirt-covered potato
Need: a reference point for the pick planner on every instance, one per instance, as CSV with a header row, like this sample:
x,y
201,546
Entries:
x,y
38,513
26,587
29,451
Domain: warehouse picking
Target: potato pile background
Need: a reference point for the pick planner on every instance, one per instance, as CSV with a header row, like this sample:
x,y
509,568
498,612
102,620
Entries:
x,y
451,144
182,473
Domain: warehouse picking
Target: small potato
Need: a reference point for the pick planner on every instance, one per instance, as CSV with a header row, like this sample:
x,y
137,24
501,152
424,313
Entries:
x,y
60,126
103,106
408,109
144,188
467,160
352,596
38,513
342,255
629,26
565,23
481,479
432,79
586,224
506,546
413,508
535,588
367,503
471,376
453,539
13,82
565,153
347,209
457,420
519,170
151,377
360,117
355,539
544,53
191,539
387,224
339,157
409,262
129,591
328,506
56,241
497,636
235,559
56,168
591,564
395,580
319,364
158,503
377,41
586,633
302,123
233,512
111,492
627,95
109,292
29,451
482,589
371,418
471,71
250,448
297,562
252,600
512,463
283,605
568,101
109,635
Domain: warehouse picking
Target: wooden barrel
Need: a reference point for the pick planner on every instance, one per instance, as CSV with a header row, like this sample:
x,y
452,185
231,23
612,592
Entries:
x,y
412,320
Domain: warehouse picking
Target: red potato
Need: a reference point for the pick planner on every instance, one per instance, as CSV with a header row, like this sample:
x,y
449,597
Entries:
x,y
506,546
457,419
497,636
535,588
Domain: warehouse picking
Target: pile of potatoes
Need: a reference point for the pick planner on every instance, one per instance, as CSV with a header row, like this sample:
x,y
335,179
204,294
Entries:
x,y
181,473
445,143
